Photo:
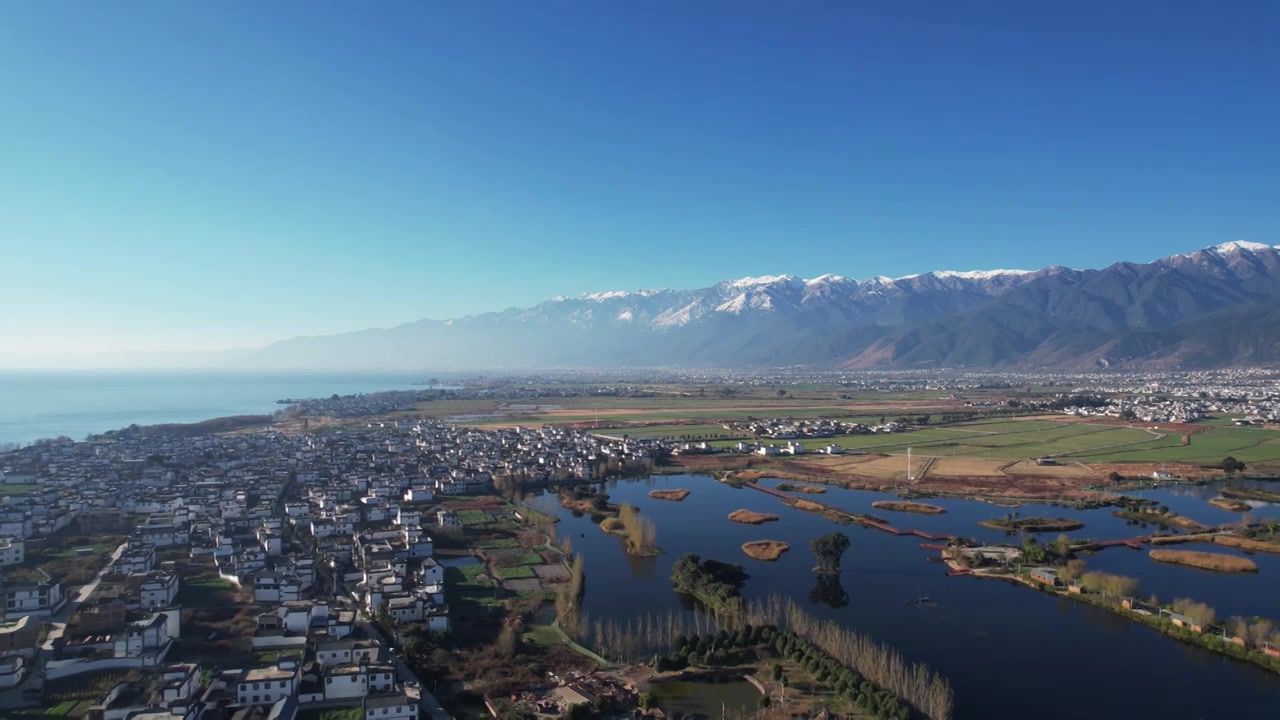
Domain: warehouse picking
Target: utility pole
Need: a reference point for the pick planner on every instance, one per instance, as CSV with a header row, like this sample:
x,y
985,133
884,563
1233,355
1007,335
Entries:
x,y
909,475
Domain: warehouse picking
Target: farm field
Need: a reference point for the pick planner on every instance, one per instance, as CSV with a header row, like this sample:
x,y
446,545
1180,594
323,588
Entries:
x,y
1008,440
1249,445
1066,470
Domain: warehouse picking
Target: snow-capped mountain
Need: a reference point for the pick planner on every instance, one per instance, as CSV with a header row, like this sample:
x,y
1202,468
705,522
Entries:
x,y
940,318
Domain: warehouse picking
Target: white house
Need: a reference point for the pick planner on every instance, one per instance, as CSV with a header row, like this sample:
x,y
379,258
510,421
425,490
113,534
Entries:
x,y
345,681
418,494
139,637
269,586
12,551
265,685
407,516
158,590
37,599
391,706
13,669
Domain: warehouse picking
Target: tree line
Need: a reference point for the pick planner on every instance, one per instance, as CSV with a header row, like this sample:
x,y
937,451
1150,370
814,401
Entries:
x,y
673,634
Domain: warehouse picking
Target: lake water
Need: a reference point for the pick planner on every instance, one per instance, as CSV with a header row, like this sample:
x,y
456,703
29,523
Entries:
x,y
39,404
1009,651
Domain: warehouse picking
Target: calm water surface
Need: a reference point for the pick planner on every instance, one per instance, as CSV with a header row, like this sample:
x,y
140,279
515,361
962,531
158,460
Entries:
x,y
41,404
1009,651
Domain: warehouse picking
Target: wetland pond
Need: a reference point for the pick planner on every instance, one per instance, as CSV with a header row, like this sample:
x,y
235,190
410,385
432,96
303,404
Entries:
x,y
1008,651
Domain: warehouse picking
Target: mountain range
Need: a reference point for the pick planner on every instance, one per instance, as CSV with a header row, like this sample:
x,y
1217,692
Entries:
x,y
1215,307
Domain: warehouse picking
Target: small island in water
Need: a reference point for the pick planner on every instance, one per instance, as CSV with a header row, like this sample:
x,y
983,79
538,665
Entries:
x,y
765,549
908,507
1032,524
675,495
1231,504
750,517
792,487
1218,562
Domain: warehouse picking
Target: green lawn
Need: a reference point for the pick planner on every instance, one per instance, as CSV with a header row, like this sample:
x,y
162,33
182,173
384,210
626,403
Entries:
x,y
57,711
474,517
462,588
1249,445
342,713
206,592
521,572
18,489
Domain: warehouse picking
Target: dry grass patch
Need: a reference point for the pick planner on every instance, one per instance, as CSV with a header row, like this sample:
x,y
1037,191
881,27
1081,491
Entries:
x,y
765,549
908,507
967,467
1066,470
809,489
673,495
1230,504
750,517
1218,562
1234,541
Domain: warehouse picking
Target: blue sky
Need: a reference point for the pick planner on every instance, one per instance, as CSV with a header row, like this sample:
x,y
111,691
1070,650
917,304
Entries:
x,y
196,176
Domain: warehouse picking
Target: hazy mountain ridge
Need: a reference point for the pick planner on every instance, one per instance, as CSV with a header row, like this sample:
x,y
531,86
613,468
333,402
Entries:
x,y
1125,313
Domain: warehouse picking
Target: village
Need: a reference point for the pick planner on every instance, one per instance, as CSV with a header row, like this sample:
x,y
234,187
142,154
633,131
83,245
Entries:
x,y
264,574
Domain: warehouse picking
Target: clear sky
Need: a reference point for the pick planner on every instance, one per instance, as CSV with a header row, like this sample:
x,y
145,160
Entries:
x,y
204,175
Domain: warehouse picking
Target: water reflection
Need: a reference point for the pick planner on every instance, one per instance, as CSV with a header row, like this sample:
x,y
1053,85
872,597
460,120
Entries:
x,y
641,567
982,632
828,591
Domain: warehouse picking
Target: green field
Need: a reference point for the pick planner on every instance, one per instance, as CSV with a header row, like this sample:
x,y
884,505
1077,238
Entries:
x,y
1249,445
207,592
462,587
474,517
1086,442
521,572
6,490
343,713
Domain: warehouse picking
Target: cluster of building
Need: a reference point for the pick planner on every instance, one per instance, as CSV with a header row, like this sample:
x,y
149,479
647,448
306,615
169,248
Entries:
x,y
792,429
314,530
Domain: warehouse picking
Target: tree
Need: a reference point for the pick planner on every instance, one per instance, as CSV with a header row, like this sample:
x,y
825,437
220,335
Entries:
x,y
1232,465
776,672
1199,613
829,549
1073,571
1115,477
507,642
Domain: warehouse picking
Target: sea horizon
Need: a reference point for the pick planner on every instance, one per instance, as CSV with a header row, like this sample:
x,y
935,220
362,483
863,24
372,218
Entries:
x,y
46,403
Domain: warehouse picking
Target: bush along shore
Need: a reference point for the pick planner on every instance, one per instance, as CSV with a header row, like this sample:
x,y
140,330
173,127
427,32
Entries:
x,y
1256,641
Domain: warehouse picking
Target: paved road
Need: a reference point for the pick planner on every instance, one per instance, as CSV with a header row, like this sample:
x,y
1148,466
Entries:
x,y
58,621
406,674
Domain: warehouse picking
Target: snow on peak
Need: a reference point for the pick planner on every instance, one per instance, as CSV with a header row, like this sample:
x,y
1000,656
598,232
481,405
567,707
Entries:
x,y
978,274
625,315
758,301
1240,245
600,296
762,280
828,278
